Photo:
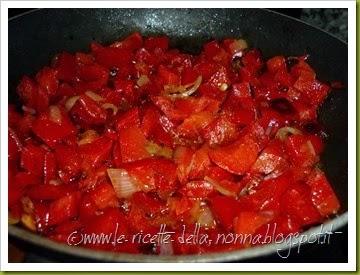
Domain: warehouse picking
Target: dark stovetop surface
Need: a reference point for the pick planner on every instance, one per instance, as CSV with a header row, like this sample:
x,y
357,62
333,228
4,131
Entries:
x,y
331,20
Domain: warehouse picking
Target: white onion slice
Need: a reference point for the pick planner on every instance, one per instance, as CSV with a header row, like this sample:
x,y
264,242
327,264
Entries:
x,y
157,150
87,137
29,110
206,218
71,102
124,185
223,87
110,106
283,132
311,148
94,96
238,45
55,114
143,80
12,220
28,221
185,90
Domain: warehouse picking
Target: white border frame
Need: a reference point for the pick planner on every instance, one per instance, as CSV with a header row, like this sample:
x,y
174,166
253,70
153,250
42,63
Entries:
x,y
350,266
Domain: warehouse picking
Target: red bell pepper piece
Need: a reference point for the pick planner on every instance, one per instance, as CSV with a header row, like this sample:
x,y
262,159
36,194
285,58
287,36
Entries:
x,y
53,129
198,189
105,225
96,152
129,119
322,194
225,210
65,65
49,167
127,90
154,173
112,57
68,160
26,179
301,150
271,159
247,222
64,208
41,214
132,42
237,157
93,77
103,196
49,191
220,131
14,146
152,127
194,125
47,79
252,61
33,95
32,159
161,42
151,205
87,111
168,76
276,64
268,193
296,201
132,144
68,228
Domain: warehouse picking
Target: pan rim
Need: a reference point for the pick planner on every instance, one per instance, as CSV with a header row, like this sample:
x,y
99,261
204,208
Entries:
x,y
236,255
13,18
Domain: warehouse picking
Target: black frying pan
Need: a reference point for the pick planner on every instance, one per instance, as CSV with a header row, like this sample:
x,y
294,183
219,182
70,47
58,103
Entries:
x,y
35,37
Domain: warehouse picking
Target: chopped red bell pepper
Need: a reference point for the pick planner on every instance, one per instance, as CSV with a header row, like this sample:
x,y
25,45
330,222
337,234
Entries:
x,y
53,127
132,144
135,135
237,157
297,203
322,194
87,111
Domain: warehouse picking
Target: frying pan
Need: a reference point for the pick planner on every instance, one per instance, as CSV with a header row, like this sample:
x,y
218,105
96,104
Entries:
x,y
35,37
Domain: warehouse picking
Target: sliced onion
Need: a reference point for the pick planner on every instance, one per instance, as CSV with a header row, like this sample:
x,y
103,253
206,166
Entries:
x,y
94,96
28,221
311,148
55,114
184,90
238,45
71,102
110,106
124,185
166,248
206,218
143,80
220,188
283,132
28,110
27,205
157,150
252,183
87,137
12,219
223,87
54,182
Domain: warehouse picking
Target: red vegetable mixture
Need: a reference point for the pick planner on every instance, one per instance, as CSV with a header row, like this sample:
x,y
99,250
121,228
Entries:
x,y
139,134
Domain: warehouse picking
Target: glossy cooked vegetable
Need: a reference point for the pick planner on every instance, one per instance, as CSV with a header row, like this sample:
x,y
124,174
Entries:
x,y
137,134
